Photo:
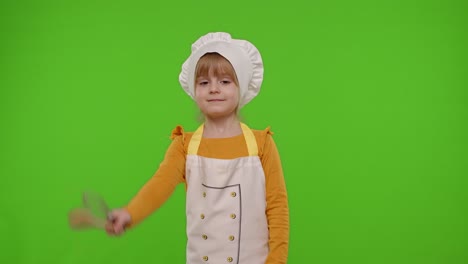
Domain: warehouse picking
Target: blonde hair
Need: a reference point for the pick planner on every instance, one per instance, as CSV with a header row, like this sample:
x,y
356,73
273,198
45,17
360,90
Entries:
x,y
217,65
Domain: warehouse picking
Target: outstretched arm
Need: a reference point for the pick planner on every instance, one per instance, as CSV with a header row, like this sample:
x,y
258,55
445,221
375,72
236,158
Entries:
x,y
159,188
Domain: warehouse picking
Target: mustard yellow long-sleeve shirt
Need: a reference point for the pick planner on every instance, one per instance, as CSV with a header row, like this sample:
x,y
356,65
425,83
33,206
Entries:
x,y
171,172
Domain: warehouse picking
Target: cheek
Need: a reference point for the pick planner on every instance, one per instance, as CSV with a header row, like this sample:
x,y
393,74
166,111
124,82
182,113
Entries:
x,y
197,93
236,93
199,97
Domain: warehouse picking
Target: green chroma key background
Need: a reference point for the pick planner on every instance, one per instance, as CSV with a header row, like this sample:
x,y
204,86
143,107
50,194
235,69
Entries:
x,y
367,99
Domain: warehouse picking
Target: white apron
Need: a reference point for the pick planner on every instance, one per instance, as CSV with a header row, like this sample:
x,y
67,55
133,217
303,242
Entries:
x,y
226,220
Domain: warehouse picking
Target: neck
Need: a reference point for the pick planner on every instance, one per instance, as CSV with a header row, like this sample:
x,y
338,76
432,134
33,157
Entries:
x,y
222,127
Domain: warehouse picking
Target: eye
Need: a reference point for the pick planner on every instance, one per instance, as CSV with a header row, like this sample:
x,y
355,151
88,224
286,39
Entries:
x,y
203,82
225,81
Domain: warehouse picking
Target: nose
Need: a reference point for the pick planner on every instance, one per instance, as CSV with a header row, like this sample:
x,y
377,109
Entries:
x,y
214,87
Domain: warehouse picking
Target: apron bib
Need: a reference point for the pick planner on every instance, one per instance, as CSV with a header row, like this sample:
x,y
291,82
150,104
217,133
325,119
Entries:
x,y
225,207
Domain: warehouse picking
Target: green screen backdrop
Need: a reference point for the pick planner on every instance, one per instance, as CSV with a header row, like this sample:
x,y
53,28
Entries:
x,y
367,100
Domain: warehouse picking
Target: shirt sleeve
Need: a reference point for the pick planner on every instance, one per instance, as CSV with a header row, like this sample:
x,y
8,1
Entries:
x,y
277,209
162,184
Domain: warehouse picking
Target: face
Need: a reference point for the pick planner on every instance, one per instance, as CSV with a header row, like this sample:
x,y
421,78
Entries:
x,y
216,95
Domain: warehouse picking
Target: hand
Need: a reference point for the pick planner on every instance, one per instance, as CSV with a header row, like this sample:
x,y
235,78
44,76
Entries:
x,y
117,220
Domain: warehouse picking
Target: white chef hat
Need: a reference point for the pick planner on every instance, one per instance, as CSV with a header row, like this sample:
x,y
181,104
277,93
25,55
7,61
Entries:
x,y
243,56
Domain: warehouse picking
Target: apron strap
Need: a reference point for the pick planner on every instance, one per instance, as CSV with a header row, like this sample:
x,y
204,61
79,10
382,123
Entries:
x,y
195,141
248,135
250,140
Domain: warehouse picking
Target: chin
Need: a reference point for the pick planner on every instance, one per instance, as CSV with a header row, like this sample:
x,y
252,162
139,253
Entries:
x,y
215,115
218,114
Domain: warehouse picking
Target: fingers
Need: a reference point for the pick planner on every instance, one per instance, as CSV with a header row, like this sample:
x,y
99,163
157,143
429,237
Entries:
x,y
116,222
120,224
110,228
113,230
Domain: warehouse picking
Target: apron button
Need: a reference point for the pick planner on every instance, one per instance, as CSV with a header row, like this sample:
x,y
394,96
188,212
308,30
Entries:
x,y
233,194
205,237
233,216
202,216
205,258
230,259
204,194
231,238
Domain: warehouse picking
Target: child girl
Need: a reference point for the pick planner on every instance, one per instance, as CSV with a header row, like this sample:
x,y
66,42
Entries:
x,y
236,200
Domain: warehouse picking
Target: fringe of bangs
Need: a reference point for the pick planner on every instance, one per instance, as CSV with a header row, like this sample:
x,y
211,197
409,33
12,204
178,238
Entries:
x,y
217,64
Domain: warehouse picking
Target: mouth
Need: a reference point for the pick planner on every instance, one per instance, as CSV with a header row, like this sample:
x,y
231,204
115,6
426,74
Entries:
x,y
216,100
